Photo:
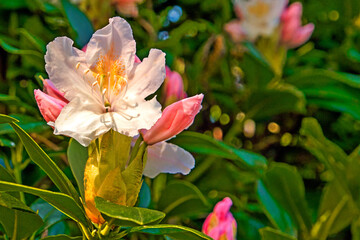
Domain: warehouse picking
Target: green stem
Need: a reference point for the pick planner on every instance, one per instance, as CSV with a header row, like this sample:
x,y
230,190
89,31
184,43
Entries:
x,y
14,236
105,231
16,156
86,232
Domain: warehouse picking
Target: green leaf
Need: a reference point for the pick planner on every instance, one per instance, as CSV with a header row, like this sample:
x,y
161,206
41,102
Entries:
x,y
338,92
285,185
258,72
144,196
336,211
203,144
324,150
181,197
173,231
267,103
268,233
13,4
39,157
15,217
7,119
79,22
13,50
274,211
60,201
7,177
77,157
62,237
128,216
6,143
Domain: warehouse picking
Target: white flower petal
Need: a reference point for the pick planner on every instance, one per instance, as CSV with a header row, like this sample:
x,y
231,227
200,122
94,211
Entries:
x,y
61,65
148,75
83,120
167,158
116,39
138,115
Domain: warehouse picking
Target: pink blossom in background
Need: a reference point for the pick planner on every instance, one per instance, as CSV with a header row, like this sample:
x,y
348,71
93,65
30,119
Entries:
x,y
173,87
292,33
127,7
220,224
174,119
235,30
50,102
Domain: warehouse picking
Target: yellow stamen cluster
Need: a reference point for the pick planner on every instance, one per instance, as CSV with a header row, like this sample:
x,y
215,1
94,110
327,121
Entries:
x,y
260,9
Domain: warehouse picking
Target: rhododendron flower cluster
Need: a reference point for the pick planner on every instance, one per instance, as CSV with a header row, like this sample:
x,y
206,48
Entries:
x,y
103,87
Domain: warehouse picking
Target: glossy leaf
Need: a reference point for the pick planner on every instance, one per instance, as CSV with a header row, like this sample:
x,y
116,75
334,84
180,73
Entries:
x,y
6,143
258,72
77,157
267,103
285,185
181,197
274,211
336,211
79,22
128,216
54,220
175,232
62,237
268,233
39,157
7,177
324,150
13,213
203,144
60,201
338,92
144,196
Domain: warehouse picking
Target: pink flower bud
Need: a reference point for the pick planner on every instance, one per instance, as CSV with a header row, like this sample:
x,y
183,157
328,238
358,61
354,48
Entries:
x,y
292,33
127,7
52,91
220,224
137,59
50,107
235,30
173,87
175,118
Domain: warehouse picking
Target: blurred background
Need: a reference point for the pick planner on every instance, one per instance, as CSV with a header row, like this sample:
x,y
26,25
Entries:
x,y
305,115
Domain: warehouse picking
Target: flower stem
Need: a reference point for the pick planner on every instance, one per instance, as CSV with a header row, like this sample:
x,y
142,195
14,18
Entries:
x,y
105,231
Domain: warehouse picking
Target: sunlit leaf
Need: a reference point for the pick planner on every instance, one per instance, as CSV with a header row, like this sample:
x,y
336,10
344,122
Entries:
x,y
182,197
200,143
43,160
60,201
128,216
175,232
268,233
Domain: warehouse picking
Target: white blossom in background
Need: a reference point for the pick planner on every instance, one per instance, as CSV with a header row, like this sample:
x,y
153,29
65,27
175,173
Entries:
x,y
259,17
